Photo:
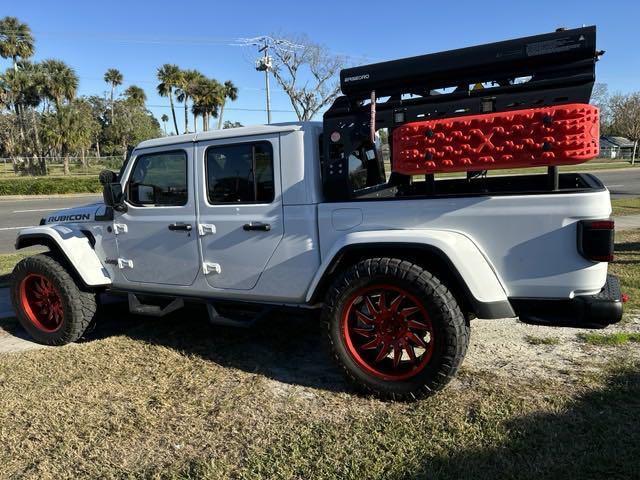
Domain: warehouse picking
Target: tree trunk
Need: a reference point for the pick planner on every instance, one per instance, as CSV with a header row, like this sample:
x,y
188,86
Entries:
x,y
36,134
173,112
633,156
195,123
186,115
83,159
164,124
112,119
66,164
98,147
220,117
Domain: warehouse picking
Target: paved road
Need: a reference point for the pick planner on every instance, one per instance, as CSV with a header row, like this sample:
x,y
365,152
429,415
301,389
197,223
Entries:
x,y
22,213
16,214
622,183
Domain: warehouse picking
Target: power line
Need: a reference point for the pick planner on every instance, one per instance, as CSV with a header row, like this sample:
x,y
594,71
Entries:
x,y
225,108
169,40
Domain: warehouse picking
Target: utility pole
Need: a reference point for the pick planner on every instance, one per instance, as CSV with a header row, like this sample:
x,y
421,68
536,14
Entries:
x,y
264,64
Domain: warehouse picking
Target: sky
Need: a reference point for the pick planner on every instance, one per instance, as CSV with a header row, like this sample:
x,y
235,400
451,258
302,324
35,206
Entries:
x,y
137,37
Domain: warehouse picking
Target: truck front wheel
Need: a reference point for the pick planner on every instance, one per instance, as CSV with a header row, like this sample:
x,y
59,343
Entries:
x,y
395,329
48,302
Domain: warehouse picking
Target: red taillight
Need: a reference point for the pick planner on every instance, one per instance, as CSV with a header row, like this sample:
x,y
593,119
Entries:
x,y
595,239
601,224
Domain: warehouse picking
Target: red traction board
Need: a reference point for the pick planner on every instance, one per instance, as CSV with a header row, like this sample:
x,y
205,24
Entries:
x,y
559,135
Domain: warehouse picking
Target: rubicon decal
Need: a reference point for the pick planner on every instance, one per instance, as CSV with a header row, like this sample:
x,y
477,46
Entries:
x,y
69,218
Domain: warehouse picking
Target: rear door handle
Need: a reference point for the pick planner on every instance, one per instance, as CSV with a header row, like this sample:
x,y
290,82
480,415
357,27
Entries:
x,y
180,226
263,227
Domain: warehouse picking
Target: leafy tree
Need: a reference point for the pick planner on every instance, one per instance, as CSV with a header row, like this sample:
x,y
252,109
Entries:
x,y
186,85
114,78
307,73
135,124
16,40
135,95
169,77
230,91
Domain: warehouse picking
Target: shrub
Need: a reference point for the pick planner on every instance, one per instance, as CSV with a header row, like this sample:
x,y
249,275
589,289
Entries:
x,y
49,185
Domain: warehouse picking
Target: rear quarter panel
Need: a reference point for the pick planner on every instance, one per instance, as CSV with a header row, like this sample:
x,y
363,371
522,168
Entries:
x,y
529,240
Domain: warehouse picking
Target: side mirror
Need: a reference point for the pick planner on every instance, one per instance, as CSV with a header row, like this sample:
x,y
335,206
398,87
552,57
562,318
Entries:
x,y
113,196
107,176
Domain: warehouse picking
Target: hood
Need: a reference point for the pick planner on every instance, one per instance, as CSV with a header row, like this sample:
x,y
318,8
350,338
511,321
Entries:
x,y
83,214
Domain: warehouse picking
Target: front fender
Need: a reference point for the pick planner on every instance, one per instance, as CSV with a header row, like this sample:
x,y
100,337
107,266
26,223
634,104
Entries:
x,y
74,245
472,266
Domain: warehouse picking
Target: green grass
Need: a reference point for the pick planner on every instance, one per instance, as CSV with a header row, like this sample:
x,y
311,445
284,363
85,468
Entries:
x,y
178,398
610,339
49,185
625,206
627,266
7,262
534,340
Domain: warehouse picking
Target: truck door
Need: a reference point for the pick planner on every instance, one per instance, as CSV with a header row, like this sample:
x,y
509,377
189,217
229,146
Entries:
x,y
156,236
240,208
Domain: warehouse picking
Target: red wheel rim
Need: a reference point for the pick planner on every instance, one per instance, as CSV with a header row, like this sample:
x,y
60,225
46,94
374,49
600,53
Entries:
x,y
41,302
387,332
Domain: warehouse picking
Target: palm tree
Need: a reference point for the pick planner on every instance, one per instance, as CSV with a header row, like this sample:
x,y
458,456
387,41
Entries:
x,y
207,97
231,92
135,95
188,82
164,119
16,40
169,77
60,82
114,78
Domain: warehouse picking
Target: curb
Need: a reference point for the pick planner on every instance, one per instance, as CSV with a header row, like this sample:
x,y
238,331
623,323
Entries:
x,y
47,197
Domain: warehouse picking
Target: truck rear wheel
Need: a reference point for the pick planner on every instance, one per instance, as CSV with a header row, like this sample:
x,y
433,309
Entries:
x,y
395,329
48,302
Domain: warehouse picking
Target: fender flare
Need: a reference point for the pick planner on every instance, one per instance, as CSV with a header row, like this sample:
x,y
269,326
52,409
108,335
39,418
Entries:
x,y
74,245
482,284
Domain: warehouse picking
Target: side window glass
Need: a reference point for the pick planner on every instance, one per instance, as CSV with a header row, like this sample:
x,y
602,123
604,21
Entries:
x,y
159,179
241,173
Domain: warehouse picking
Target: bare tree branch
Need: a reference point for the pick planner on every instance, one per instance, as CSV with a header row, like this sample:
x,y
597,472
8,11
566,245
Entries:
x,y
310,94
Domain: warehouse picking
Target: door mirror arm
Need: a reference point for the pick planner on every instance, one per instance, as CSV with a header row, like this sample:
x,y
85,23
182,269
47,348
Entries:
x,y
113,196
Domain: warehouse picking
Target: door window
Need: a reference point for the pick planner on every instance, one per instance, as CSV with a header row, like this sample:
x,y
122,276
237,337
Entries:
x,y
240,173
159,179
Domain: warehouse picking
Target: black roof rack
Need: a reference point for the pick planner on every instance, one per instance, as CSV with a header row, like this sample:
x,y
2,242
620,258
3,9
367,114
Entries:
x,y
564,56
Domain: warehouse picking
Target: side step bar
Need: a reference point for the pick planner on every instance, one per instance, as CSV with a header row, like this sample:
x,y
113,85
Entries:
x,y
215,317
242,322
136,306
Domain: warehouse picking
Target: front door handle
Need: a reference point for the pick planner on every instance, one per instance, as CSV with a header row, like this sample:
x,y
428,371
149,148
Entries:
x,y
263,227
180,226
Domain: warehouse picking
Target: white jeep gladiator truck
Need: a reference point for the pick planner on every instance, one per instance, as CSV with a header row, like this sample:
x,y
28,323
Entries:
x,y
313,215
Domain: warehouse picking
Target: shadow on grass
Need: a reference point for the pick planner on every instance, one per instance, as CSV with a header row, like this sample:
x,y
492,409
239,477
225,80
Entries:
x,y
595,436
288,347
627,247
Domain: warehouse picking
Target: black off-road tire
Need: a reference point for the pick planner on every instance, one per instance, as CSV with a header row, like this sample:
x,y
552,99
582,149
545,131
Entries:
x,y
451,330
78,304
